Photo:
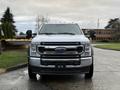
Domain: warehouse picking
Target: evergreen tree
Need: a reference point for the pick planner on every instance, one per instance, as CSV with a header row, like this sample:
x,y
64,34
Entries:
x,y
0,39
21,33
7,24
114,24
0,33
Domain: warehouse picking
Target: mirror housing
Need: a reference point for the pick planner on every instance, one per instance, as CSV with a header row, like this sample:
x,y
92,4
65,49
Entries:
x,y
29,34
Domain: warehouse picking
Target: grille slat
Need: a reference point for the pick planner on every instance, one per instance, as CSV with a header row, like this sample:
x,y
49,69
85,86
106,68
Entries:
x,y
60,62
60,56
60,43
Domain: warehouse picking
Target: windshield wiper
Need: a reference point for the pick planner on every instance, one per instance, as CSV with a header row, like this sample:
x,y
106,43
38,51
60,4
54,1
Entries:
x,y
66,33
47,33
57,33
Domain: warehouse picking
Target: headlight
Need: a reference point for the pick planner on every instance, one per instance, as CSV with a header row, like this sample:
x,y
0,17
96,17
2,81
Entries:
x,y
87,49
33,50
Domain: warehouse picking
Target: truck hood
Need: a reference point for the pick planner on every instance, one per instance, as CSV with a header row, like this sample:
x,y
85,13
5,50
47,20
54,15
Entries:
x,y
60,38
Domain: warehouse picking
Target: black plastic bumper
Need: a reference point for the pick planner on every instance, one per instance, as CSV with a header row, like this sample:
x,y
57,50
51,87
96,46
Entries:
x,y
59,71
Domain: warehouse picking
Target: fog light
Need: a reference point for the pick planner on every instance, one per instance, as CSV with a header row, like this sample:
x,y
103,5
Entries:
x,y
80,49
41,49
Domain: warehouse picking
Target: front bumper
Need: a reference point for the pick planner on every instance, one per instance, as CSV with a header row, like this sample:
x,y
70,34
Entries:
x,y
36,67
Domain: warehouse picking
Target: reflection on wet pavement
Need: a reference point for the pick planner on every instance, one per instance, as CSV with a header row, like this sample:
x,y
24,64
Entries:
x,y
106,77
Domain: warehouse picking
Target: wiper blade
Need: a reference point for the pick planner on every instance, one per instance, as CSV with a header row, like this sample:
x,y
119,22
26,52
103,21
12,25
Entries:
x,y
57,33
67,33
46,33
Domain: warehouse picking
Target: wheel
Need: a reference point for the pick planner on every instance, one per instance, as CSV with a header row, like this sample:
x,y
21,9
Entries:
x,y
90,74
32,75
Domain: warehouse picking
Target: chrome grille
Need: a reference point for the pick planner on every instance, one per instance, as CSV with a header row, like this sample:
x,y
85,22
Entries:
x,y
69,51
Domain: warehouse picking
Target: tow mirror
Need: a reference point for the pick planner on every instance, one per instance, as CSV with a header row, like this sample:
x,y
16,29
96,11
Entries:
x,y
29,34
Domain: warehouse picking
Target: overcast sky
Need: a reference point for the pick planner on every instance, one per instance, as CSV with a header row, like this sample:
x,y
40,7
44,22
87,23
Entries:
x,y
84,12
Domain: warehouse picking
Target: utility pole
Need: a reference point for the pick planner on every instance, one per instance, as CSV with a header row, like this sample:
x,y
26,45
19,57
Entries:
x,y
98,23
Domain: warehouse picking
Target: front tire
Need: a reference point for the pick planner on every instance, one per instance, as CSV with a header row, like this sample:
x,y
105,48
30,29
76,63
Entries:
x,y
32,75
89,75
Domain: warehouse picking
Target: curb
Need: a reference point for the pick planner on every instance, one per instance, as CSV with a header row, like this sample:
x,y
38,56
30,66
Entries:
x,y
106,48
2,71
16,67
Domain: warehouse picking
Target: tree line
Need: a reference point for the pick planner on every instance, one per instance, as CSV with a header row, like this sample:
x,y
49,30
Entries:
x,y
8,29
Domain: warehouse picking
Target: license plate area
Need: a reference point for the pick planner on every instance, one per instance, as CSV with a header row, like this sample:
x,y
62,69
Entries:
x,y
60,63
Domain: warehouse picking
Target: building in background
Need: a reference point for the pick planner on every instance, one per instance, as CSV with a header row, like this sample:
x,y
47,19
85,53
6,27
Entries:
x,y
101,34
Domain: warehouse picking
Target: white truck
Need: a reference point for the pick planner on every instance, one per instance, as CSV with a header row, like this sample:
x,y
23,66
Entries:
x,y
60,49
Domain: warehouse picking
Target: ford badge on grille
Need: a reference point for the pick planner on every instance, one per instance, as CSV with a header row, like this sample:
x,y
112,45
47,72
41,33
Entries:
x,y
60,49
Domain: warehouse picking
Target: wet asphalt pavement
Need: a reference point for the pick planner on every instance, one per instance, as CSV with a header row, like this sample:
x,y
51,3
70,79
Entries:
x,y
106,77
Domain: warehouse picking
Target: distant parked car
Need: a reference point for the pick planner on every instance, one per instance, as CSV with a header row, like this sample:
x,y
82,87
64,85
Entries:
x,y
21,37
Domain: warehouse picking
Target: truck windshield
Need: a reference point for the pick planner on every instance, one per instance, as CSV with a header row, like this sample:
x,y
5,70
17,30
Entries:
x,y
72,29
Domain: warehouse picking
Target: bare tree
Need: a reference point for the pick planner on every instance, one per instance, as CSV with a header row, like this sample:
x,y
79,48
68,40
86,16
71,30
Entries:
x,y
39,21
